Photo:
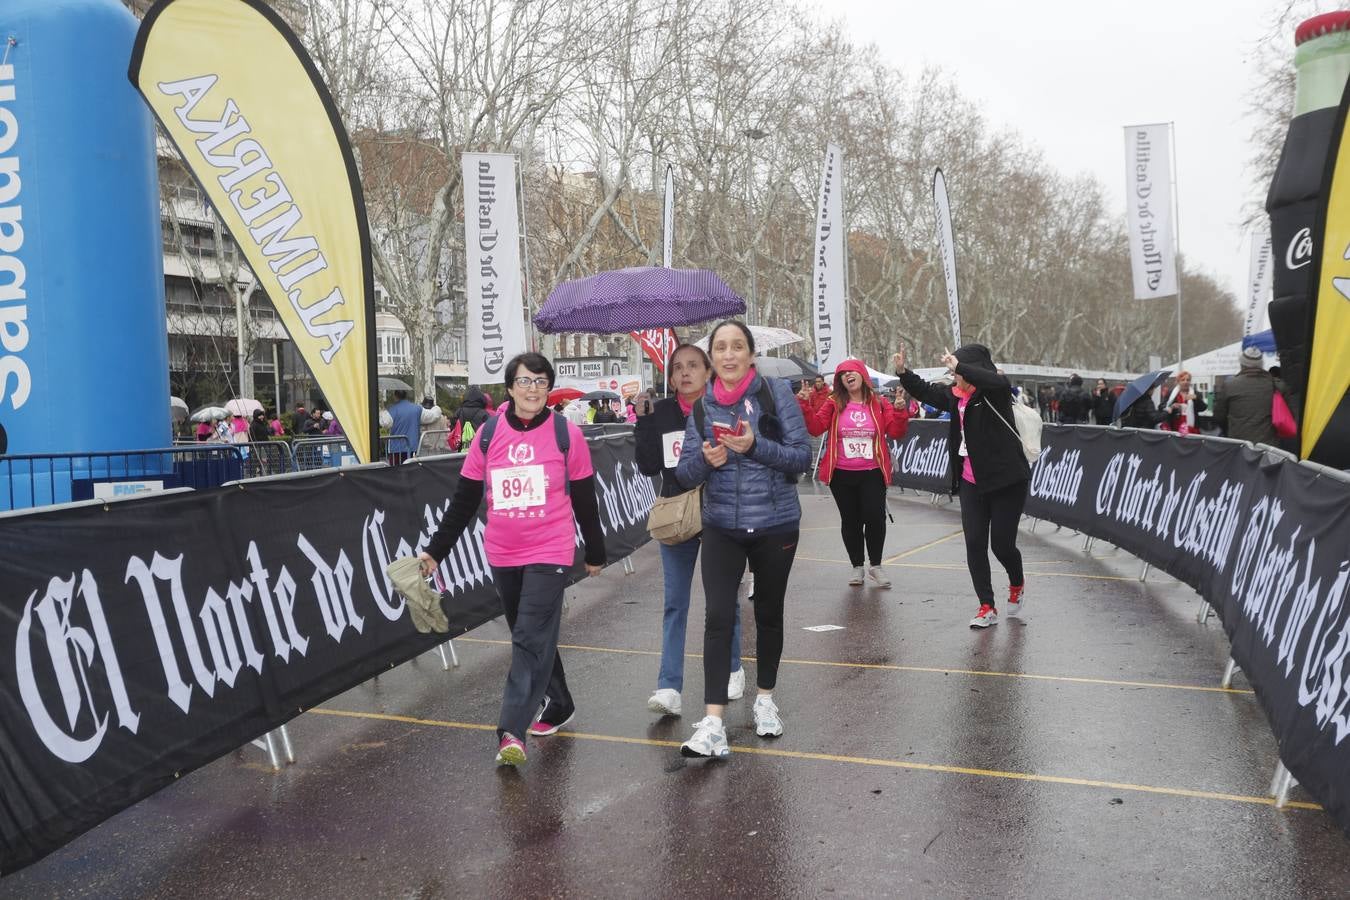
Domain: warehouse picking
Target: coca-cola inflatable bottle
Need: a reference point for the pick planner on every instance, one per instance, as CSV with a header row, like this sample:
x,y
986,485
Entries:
x,y
1322,64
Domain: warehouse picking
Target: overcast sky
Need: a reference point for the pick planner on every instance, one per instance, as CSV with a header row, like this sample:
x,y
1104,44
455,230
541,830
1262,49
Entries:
x,y
1070,75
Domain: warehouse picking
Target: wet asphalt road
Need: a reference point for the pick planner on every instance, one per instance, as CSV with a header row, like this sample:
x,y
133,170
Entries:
x,y
1084,752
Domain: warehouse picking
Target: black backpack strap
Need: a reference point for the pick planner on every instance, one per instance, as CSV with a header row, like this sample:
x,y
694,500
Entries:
x,y
485,434
564,439
700,416
766,402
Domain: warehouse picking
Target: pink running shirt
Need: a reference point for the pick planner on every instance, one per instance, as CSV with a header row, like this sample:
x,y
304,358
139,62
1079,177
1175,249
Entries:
x,y
966,471
529,516
856,449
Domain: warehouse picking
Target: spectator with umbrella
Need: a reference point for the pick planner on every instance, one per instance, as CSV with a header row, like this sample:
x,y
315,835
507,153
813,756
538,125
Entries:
x,y
1135,407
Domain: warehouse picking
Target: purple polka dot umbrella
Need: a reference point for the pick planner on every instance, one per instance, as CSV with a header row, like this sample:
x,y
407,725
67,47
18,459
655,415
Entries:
x,y
635,299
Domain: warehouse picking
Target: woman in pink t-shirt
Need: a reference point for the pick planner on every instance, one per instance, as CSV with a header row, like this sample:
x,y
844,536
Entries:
x,y
536,495
856,463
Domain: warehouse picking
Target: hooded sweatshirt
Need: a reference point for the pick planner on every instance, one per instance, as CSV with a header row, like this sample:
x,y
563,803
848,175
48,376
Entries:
x,y
857,431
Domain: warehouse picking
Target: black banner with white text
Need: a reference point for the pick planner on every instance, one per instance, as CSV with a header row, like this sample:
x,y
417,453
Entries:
x,y
1265,540
141,640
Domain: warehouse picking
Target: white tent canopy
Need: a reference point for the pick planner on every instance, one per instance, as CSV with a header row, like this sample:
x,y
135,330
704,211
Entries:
x,y
766,338
1224,360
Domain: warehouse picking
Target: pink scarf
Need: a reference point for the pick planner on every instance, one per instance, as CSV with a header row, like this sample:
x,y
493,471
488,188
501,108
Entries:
x,y
726,396
685,407
963,394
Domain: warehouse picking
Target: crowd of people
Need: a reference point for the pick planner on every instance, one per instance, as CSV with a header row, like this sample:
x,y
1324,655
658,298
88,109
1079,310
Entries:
x,y
737,442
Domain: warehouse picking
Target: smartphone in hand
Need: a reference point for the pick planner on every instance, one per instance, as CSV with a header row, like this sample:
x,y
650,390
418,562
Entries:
x,y
719,429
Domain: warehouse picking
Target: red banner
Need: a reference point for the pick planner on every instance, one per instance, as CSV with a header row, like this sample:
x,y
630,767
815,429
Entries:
x,y
657,343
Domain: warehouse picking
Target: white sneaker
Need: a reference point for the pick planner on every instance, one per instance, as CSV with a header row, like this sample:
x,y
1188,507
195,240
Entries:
x,y
1017,601
736,685
709,740
857,578
767,722
879,577
988,616
665,701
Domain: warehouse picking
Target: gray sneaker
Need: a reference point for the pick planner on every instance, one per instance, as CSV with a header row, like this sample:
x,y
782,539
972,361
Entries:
x,y
879,576
736,685
665,701
767,722
857,578
709,741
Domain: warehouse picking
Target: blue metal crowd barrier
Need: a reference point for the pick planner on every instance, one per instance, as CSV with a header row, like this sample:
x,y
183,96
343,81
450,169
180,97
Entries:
x,y
40,479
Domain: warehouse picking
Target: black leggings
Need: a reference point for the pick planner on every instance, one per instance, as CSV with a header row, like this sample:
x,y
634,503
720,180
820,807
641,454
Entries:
x,y
990,520
861,498
725,554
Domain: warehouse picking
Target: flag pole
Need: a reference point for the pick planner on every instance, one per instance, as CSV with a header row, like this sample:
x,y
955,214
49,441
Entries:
x,y
667,252
1176,232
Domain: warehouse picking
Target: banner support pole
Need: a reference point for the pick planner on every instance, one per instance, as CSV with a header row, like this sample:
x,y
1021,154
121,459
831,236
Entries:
x,y
523,238
1176,232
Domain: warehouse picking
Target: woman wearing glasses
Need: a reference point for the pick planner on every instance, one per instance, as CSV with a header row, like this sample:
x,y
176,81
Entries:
x,y
537,477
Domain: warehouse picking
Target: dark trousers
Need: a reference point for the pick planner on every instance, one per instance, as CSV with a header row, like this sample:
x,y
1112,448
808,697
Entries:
x,y
861,498
725,555
990,520
532,598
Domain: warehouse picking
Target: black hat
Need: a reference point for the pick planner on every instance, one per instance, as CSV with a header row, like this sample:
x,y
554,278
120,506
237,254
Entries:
x,y
977,355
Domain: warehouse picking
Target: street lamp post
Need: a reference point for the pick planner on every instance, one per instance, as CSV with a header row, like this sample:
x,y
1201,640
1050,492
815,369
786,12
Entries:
x,y
752,134
242,289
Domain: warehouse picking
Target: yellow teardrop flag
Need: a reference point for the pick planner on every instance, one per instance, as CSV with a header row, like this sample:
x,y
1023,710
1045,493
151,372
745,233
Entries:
x,y
239,97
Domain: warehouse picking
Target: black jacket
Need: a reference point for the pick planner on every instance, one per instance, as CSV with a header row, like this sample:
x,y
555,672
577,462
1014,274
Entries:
x,y
665,417
1074,404
1103,407
474,408
1243,407
1143,413
996,455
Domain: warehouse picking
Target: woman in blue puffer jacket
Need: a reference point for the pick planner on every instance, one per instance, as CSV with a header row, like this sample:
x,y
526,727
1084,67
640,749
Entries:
x,y
747,442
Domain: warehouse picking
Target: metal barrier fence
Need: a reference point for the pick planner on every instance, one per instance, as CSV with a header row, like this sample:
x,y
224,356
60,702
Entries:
x,y
323,452
336,452
394,449
434,442
44,479
267,458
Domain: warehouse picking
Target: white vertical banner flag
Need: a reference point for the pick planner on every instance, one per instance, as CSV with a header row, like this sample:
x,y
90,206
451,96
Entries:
x,y
1148,207
947,250
1258,283
668,220
495,318
827,277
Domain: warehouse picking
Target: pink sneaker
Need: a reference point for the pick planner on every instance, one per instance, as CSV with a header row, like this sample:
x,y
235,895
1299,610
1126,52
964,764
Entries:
x,y
542,728
511,751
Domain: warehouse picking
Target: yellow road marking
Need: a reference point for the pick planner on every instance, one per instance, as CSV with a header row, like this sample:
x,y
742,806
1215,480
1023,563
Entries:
x,y
895,668
953,567
945,537
852,760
